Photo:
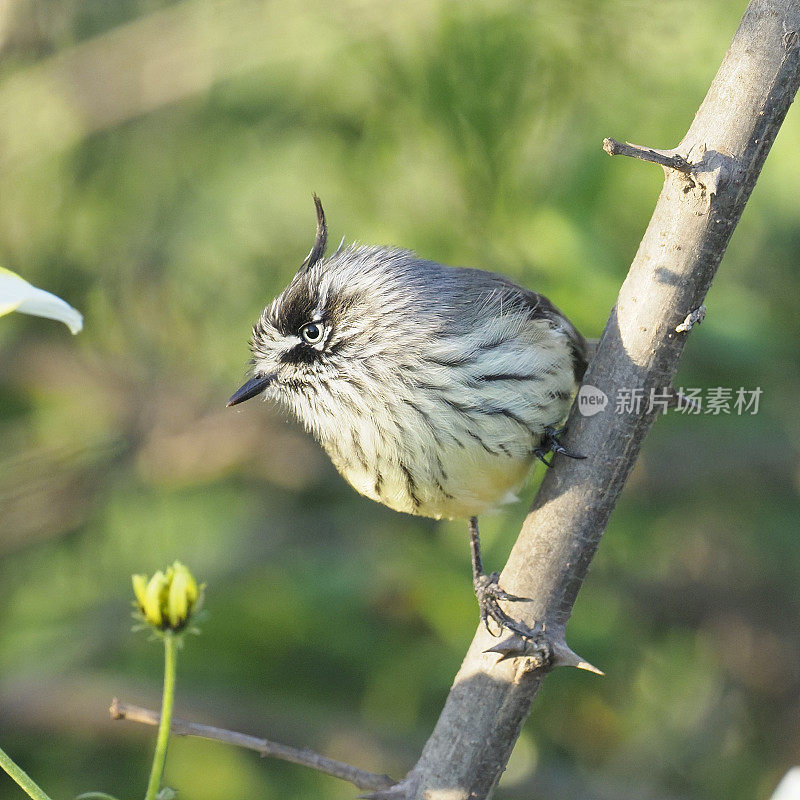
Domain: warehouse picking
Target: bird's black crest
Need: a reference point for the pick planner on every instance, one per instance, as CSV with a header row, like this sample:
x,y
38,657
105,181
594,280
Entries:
x,y
320,241
296,309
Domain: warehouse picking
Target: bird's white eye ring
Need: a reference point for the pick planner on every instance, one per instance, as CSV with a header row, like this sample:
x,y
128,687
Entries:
x,y
312,332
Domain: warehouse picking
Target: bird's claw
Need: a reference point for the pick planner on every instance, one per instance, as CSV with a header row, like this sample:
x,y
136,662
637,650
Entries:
x,y
488,592
551,443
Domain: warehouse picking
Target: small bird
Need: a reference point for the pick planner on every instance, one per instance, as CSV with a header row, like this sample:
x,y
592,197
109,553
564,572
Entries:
x,y
431,388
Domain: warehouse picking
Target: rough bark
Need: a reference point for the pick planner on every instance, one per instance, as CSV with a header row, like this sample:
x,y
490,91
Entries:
x,y
670,275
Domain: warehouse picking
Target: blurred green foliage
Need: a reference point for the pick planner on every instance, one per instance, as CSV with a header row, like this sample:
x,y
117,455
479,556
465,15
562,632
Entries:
x,y
156,164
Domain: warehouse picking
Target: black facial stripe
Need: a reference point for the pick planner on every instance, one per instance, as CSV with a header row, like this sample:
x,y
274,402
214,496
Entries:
x,y
301,353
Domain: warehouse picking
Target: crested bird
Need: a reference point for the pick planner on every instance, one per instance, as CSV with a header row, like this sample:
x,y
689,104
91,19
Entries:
x,y
432,388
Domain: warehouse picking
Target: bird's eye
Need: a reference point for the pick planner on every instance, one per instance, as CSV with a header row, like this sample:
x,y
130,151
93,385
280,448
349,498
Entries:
x,y
312,332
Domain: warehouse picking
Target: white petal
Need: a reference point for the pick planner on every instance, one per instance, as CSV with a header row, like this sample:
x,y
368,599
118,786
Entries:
x,y
17,294
789,787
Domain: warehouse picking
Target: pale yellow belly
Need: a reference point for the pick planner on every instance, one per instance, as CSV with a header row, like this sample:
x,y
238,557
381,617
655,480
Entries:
x,y
475,483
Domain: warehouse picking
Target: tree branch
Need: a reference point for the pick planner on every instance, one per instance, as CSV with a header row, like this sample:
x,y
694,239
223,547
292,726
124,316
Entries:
x,y
639,351
307,758
667,158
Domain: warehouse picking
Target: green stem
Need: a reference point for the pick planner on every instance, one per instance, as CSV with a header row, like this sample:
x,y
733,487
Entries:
x,y
160,757
21,777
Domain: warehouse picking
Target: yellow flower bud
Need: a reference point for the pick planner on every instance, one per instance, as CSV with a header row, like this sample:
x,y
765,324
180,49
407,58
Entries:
x,y
153,599
168,599
182,595
139,588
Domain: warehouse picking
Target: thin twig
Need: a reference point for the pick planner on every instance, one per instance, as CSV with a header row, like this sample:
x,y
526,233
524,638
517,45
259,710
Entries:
x,y
307,758
667,158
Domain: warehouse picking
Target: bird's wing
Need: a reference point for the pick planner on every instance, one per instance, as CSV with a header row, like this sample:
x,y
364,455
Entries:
x,y
542,308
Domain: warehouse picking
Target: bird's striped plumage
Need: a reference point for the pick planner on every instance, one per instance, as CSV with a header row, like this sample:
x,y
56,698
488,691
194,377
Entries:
x,y
431,386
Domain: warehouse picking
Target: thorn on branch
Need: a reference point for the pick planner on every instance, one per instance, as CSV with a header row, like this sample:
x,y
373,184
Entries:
x,y
536,648
666,158
564,656
543,651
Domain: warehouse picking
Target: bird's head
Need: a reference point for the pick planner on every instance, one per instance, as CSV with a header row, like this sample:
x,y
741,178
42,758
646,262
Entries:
x,y
327,335
292,333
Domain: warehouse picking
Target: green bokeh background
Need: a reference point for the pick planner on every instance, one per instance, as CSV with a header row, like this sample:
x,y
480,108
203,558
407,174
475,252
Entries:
x,y
156,166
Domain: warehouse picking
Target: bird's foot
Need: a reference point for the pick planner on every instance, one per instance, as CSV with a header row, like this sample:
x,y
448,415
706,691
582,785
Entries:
x,y
551,443
488,592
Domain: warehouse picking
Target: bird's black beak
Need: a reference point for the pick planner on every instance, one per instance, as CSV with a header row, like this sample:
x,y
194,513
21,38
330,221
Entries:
x,y
253,387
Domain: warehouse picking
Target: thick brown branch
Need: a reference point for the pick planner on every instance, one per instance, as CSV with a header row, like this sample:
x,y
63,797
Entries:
x,y
667,158
307,758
